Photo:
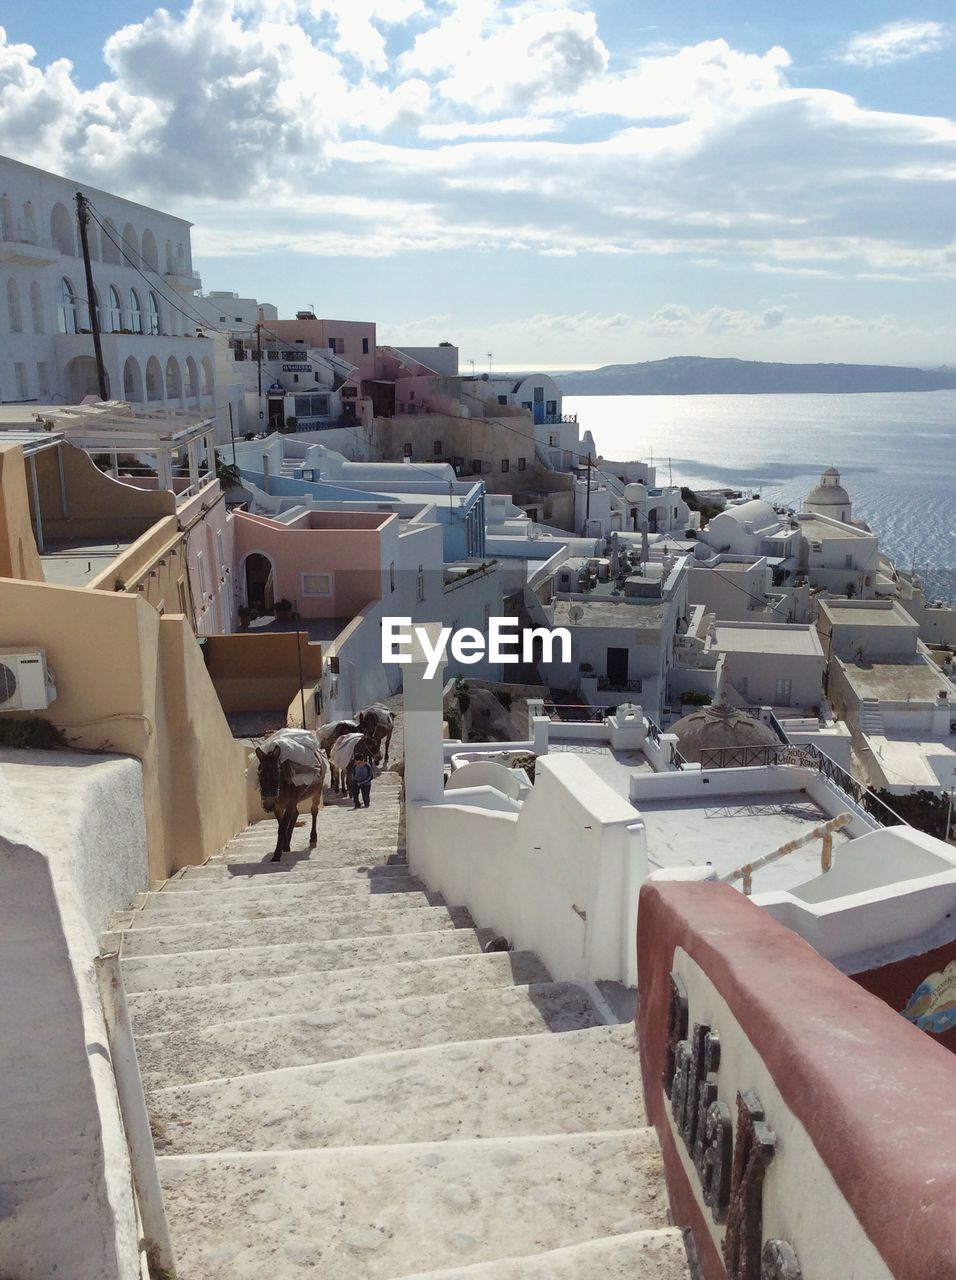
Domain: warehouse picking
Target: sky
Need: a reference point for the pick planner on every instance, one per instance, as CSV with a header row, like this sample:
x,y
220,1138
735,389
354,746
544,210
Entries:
x,y
548,183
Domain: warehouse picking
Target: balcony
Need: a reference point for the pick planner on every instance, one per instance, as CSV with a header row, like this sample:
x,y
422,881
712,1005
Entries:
x,y
556,419
25,254
607,685
184,281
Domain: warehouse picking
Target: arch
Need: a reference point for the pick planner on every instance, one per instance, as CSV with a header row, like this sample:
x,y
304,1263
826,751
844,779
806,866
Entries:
x,y
14,310
81,379
149,251
28,224
93,240
174,379
133,381
207,378
257,576
111,244
170,265
135,312
114,310
6,218
192,379
154,379
180,260
62,233
154,317
36,308
67,314
99,309
130,245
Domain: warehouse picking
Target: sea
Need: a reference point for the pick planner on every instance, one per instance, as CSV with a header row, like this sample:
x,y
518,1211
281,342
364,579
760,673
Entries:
x,y
896,454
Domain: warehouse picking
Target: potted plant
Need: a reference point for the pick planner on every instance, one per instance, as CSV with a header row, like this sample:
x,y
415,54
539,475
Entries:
x,y
283,609
245,615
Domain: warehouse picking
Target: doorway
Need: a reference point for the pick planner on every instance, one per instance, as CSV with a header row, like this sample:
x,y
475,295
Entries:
x,y
259,576
617,667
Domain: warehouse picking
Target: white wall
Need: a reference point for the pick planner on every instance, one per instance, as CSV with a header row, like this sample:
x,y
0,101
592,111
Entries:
x,y
560,877
72,849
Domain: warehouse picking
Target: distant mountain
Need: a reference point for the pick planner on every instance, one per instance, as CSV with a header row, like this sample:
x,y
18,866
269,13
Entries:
x,y
699,375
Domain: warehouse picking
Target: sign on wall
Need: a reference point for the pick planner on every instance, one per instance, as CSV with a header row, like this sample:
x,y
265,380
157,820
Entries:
x,y
296,368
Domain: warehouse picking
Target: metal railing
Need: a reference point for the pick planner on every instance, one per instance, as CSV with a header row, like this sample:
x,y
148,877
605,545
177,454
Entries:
x,y
575,711
605,684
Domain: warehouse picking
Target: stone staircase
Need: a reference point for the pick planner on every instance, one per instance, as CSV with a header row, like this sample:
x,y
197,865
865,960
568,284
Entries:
x,y
342,1083
871,718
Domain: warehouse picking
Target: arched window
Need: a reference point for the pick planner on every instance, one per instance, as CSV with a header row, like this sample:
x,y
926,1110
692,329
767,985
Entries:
x,y
13,306
67,320
192,378
6,218
174,380
149,251
132,381
93,240
135,312
154,377
207,378
130,245
36,308
99,309
169,257
62,234
154,315
111,243
114,311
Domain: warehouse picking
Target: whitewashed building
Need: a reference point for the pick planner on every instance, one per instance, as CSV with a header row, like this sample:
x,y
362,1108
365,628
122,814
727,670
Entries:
x,y
144,286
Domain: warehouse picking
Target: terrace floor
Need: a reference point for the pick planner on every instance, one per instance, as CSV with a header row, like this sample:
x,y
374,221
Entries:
x,y
73,562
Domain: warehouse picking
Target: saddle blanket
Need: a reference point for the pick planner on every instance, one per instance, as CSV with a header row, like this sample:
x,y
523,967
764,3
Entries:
x,y
299,748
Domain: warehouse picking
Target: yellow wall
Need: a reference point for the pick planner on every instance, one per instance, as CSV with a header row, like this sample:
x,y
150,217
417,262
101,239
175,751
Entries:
x,y
97,505
260,671
163,541
18,552
131,681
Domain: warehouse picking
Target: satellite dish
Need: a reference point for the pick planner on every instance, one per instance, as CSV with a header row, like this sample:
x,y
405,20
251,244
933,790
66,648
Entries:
x,y
575,613
635,491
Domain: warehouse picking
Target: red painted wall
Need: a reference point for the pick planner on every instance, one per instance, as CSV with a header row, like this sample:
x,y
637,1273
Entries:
x,y
880,1108
896,983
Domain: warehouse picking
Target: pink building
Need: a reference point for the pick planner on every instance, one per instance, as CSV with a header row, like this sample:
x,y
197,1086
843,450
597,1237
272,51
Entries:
x,y
330,563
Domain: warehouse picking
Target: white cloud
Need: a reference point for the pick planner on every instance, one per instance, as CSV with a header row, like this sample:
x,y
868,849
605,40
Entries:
x,y
895,42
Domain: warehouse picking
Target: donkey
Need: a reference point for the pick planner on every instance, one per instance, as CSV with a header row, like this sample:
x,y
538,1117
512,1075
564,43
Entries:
x,y
377,722
281,796
327,735
342,756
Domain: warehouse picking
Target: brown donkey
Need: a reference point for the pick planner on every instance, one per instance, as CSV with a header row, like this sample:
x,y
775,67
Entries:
x,y
281,796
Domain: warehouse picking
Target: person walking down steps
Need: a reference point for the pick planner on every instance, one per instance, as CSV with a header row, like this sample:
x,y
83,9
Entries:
x,y
361,780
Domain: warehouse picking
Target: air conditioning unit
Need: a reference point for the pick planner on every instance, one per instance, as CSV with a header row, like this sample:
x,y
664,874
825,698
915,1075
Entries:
x,y
26,683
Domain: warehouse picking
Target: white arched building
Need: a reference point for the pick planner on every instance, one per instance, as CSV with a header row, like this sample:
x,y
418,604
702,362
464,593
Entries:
x,y
143,293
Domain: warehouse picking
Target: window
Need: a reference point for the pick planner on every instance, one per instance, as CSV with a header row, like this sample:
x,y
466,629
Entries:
x,y
36,307
154,317
181,586
316,584
295,377
522,464
201,575
781,693
365,346
221,551
505,465
436,448
420,589
407,449
222,319
312,406
551,408
135,312
13,306
43,379
391,576
66,317
411,395
20,373
502,399
476,466
336,346
114,311
848,560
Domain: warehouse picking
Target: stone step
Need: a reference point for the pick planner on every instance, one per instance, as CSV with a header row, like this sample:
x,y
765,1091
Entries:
x,y
538,1084
168,972
384,1212
240,934
191,908
373,853
382,1025
641,1255
272,875
192,1008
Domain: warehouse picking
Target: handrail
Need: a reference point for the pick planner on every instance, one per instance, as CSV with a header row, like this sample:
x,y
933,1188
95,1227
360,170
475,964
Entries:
x,y
824,832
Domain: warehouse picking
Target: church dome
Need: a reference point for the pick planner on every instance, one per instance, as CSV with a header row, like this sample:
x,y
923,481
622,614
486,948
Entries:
x,y
718,726
828,493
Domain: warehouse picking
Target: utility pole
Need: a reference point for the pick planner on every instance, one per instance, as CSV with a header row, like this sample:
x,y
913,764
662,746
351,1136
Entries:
x,y
259,362
587,505
83,217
